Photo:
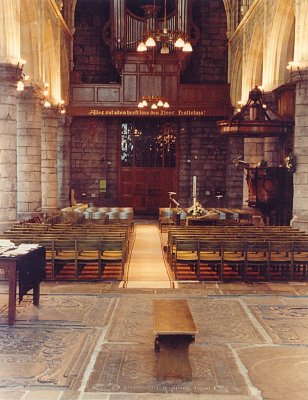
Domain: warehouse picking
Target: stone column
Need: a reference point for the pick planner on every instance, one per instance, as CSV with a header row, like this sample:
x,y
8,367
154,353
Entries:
x,y
29,112
272,151
300,200
64,161
9,75
49,160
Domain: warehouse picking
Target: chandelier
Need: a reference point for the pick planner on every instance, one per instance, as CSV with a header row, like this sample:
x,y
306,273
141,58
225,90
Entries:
x,y
166,39
154,102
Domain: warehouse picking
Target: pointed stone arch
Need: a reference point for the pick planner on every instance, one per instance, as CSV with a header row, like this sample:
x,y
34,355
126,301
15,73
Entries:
x,y
31,39
253,62
236,77
9,31
280,44
51,63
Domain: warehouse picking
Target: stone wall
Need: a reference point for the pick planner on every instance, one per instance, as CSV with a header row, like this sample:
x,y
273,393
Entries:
x,y
94,156
92,60
209,58
205,154
202,153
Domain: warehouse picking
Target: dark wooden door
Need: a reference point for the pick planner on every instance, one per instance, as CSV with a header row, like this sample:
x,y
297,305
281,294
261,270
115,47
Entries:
x,y
146,189
148,169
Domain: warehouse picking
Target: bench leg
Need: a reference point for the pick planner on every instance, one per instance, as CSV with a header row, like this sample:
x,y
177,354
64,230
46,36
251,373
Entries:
x,y
173,359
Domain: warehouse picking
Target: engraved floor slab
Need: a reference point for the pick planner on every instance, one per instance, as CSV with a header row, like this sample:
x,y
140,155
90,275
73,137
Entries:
x,y
133,369
84,310
41,356
280,373
209,315
285,324
134,321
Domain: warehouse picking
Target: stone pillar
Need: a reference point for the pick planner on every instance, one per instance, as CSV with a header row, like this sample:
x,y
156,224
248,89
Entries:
x,y
29,120
9,75
300,201
272,151
64,161
234,174
49,160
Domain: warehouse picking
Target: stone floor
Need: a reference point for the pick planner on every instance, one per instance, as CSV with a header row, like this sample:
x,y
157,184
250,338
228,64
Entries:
x,y
95,341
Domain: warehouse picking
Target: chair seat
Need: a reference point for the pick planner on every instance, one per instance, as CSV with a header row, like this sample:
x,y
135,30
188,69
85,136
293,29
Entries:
x,y
209,256
112,255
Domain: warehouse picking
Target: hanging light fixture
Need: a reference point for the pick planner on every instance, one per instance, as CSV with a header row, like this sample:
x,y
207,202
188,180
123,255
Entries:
x,y
154,102
166,39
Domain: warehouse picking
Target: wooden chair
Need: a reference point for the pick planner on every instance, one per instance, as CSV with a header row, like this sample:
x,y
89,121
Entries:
x,y
209,259
88,255
300,259
233,259
186,253
165,217
257,260
280,260
113,252
65,258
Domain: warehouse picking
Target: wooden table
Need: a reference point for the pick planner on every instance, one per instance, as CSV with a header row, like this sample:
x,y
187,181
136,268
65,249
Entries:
x,y
30,270
174,330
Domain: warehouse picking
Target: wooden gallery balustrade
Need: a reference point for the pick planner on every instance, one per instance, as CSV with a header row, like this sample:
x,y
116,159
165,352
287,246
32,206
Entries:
x,y
144,76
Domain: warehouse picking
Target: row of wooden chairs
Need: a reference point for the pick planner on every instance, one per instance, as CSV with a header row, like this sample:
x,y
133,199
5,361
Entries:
x,y
80,253
245,260
229,233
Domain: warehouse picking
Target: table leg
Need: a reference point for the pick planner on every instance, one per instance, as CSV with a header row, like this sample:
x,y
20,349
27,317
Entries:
x,y
12,274
36,295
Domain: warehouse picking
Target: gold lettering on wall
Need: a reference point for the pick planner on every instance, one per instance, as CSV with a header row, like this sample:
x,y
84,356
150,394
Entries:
x,y
147,113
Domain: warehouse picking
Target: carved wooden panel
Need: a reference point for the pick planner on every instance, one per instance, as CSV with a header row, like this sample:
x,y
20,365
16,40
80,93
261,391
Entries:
x,y
83,93
108,94
130,88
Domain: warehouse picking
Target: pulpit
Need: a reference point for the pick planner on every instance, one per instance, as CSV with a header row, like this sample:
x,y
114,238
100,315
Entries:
x,y
270,190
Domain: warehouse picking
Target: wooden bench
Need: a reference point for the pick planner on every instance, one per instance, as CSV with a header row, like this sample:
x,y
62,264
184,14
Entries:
x,y
174,330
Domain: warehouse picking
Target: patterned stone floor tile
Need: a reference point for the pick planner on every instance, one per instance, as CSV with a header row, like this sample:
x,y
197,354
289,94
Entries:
x,y
134,321
42,395
81,310
285,324
76,287
239,288
282,288
208,315
39,356
280,373
133,369
273,300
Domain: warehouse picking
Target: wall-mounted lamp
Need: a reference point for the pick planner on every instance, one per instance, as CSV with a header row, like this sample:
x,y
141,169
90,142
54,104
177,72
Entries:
x,y
295,71
46,102
20,84
61,107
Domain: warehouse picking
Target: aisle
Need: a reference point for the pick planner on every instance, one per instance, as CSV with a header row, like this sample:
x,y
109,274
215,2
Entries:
x,y
147,268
